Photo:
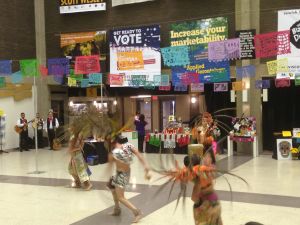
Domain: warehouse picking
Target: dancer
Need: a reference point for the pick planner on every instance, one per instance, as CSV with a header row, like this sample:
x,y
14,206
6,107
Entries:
x,y
78,168
122,156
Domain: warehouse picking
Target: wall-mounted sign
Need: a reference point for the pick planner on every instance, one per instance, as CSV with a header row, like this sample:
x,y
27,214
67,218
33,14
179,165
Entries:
x,y
74,6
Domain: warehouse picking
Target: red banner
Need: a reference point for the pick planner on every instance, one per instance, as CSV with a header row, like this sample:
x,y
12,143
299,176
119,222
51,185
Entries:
x,y
283,82
272,44
116,79
87,64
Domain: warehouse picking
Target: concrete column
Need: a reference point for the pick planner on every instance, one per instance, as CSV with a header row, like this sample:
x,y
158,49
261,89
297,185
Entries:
x,y
247,15
43,95
155,115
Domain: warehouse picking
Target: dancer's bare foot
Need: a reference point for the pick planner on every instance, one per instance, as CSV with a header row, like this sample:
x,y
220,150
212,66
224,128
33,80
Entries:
x,y
76,184
116,211
137,216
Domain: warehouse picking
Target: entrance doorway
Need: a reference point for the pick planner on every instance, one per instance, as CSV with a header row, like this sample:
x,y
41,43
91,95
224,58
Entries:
x,y
144,107
167,108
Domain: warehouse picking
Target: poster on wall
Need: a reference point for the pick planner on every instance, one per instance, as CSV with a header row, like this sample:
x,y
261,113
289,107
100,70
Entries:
x,y
247,43
196,35
284,149
84,44
290,20
75,6
135,51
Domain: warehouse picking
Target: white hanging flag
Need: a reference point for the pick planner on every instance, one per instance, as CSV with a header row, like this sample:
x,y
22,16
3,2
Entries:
x,y
123,2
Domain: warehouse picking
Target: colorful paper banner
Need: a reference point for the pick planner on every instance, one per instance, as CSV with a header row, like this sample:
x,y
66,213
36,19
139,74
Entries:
x,y
281,83
84,83
16,78
2,82
180,87
59,79
43,70
5,67
116,79
58,66
28,67
87,64
245,71
297,79
238,86
220,87
95,78
272,44
199,87
91,92
176,56
262,84
72,82
224,50
164,88
277,66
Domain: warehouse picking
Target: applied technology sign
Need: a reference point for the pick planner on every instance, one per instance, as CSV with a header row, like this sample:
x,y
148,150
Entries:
x,y
74,6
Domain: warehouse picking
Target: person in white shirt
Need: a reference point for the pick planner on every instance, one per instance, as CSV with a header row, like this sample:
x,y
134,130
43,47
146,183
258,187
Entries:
x,y
23,125
52,125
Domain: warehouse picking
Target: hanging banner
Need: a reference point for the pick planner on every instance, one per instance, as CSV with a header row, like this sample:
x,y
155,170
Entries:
x,y
220,87
84,44
283,82
224,50
95,78
91,92
262,84
197,87
5,67
43,71
196,35
165,80
28,67
247,43
75,6
272,44
164,88
176,56
238,86
84,83
58,66
180,87
17,78
277,66
116,79
245,71
297,79
87,64
135,51
2,82
123,2
72,82
290,20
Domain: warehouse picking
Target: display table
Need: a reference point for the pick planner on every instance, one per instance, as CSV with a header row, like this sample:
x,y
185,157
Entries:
x,y
177,148
253,140
132,137
91,148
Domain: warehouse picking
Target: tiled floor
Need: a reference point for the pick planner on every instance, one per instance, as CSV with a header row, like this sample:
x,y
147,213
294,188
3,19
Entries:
x,y
272,198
